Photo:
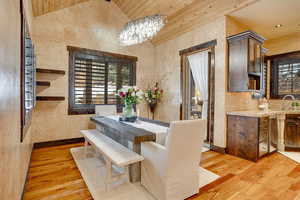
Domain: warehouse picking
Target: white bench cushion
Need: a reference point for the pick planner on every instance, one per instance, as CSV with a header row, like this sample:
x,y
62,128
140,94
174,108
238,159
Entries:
x,y
117,153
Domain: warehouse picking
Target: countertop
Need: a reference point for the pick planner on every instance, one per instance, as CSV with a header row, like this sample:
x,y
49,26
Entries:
x,y
259,113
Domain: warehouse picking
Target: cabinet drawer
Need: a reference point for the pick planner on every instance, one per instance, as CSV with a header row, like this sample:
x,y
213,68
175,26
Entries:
x,y
292,116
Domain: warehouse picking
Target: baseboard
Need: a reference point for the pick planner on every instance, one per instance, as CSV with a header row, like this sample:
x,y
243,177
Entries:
x,y
292,148
27,173
57,142
218,149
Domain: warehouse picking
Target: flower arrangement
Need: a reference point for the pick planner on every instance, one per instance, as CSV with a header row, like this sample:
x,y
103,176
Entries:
x,y
130,95
152,96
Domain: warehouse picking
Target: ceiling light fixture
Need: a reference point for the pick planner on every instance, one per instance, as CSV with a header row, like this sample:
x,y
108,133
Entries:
x,y
278,25
141,30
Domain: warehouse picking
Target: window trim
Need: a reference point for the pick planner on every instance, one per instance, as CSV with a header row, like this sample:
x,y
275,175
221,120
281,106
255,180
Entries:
x,y
85,108
274,61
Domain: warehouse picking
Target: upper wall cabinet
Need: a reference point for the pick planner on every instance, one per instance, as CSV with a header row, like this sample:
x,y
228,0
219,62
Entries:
x,y
245,62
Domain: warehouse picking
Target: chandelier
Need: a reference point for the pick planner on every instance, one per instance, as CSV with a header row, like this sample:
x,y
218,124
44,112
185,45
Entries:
x,y
140,30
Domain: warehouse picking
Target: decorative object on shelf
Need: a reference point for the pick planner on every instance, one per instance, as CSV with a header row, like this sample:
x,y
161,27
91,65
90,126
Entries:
x,y
140,30
263,104
295,105
131,96
256,95
152,96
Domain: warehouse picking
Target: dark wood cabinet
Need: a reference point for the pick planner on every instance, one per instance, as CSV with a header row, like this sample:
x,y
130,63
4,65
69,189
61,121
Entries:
x,y
292,132
245,62
251,137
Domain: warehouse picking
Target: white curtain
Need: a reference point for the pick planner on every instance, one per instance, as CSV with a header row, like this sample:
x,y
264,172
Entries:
x,y
199,67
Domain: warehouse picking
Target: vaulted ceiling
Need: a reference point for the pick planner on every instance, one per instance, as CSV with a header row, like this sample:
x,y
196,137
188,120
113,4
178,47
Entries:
x,y
182,15
42,7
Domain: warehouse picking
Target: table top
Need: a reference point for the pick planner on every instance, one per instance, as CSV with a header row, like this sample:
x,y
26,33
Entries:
x,y
137,135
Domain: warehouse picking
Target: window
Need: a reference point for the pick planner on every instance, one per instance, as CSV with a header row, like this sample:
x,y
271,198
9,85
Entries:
x,y
94,78
285,77
27,76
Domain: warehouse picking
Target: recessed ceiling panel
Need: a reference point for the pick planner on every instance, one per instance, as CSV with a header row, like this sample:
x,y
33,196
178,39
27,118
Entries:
x,y
263,17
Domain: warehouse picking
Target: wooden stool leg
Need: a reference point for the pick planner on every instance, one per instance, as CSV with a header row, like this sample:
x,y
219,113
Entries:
x,y
108,174
86,144
127,174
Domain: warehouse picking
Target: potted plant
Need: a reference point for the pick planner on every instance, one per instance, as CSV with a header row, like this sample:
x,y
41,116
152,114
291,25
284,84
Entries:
x,y
152,96
130,96
295,105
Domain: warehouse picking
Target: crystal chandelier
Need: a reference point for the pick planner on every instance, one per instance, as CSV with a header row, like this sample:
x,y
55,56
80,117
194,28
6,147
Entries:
x,y
140,30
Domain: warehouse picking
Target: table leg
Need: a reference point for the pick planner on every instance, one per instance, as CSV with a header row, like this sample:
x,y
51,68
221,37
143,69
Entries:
x,y
280,124
86,144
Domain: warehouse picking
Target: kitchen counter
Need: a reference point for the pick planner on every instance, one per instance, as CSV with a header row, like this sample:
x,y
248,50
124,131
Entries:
x,y
280,116
259,113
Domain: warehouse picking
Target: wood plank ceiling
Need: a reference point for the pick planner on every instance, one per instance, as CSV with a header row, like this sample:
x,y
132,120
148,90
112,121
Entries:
x,y
42,7
182,15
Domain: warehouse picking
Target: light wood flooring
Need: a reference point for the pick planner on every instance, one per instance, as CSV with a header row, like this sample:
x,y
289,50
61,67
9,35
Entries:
x,y
53,175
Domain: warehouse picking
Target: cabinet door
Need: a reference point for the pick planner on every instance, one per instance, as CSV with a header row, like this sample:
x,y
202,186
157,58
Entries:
x,y
238,75
242,137
263,136
255,58
292,133
258,58
273,140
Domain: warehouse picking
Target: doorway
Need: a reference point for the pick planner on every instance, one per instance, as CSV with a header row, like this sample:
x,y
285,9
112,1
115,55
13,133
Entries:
x,y
197,86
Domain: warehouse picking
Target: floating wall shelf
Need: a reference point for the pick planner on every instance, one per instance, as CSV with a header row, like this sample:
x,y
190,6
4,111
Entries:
x,y
43,83
50,98
50,71
47,83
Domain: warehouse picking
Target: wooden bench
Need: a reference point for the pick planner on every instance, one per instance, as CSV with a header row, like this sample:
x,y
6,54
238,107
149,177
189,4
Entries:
x,y
113,153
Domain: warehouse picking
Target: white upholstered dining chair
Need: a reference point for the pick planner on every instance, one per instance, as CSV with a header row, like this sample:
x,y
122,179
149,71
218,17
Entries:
x,y
106,110
171,172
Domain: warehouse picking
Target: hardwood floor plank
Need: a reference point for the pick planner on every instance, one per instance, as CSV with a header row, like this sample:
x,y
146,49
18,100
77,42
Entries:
x,y
53,175
295,173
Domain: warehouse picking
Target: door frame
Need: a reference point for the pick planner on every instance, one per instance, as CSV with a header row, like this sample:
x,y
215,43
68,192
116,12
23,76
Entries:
x,y
211,83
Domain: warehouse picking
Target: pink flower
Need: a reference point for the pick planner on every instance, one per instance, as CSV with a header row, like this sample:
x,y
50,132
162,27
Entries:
x,y
122,94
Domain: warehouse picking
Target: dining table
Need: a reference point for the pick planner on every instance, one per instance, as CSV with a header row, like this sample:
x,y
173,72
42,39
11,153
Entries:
x,y
132,134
